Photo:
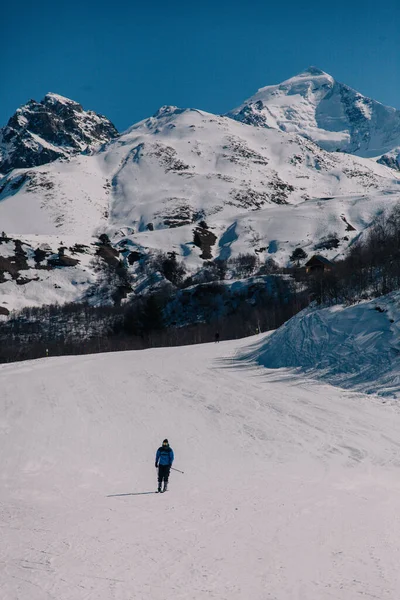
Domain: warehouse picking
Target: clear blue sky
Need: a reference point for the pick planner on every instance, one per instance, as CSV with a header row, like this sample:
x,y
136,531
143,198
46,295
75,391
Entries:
x,y
126,59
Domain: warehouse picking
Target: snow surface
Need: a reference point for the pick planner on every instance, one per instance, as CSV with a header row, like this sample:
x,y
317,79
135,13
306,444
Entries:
x,y
356,347
59,198
290,489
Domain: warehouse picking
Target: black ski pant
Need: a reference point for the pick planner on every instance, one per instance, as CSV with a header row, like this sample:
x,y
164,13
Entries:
x,y
163,473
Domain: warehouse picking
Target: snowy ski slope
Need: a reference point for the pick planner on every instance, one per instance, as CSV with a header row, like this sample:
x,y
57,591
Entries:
x,y
290,489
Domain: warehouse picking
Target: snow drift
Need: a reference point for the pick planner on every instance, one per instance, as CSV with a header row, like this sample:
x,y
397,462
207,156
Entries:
x,y
355,347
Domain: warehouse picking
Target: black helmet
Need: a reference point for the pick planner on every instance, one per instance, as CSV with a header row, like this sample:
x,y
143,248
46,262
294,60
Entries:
x,y
165,442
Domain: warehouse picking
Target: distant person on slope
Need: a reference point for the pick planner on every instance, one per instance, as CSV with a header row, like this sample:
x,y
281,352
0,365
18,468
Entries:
x,y
164,460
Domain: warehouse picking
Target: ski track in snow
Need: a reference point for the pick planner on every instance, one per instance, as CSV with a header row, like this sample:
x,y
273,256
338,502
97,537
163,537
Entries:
x,y
290,488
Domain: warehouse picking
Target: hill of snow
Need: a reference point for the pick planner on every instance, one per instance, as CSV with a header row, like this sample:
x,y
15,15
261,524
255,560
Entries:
x,y
183,164
290,489
320,108
355,347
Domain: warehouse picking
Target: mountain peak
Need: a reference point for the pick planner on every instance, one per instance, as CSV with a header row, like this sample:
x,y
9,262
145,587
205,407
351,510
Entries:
x,y
311,76
335,116
52,98
55,127
167,110
314,71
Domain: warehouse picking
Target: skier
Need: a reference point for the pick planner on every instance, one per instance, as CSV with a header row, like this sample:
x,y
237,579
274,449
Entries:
x,y
164,460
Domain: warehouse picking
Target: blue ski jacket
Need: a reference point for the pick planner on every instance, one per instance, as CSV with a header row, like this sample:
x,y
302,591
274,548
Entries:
x,y
164,456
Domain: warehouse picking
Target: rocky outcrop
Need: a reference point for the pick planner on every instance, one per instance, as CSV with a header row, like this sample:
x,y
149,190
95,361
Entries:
x,y
204,239
391,159
40,132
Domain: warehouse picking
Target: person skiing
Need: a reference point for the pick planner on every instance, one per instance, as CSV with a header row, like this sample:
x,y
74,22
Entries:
x,y
164,460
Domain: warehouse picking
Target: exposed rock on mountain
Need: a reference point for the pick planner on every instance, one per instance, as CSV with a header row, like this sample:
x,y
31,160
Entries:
x,y
40,132
391,159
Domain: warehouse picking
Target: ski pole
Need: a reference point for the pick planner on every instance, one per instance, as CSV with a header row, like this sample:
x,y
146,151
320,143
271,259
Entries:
x,y
172,468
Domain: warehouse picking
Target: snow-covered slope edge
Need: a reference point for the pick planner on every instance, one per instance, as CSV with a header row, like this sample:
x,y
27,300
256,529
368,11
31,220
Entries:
x,y
354,347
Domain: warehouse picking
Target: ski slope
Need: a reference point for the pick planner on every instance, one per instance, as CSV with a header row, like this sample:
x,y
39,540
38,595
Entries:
x,y
290,488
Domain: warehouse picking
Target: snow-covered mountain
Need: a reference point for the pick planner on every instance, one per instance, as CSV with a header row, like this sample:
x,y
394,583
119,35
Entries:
x,y
256,189
177,168
41,132
330,113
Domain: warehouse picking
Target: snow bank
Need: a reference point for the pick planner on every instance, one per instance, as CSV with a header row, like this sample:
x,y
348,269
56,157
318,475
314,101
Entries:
x,y
355,347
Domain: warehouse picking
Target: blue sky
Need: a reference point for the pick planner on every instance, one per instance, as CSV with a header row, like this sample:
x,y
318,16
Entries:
x,y
126,59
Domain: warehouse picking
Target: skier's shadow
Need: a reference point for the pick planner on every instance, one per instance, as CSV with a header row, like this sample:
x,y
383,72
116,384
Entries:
x,y
130,494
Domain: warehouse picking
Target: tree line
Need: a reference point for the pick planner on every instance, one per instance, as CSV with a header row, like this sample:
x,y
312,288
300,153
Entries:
x,y
166,317
370,269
